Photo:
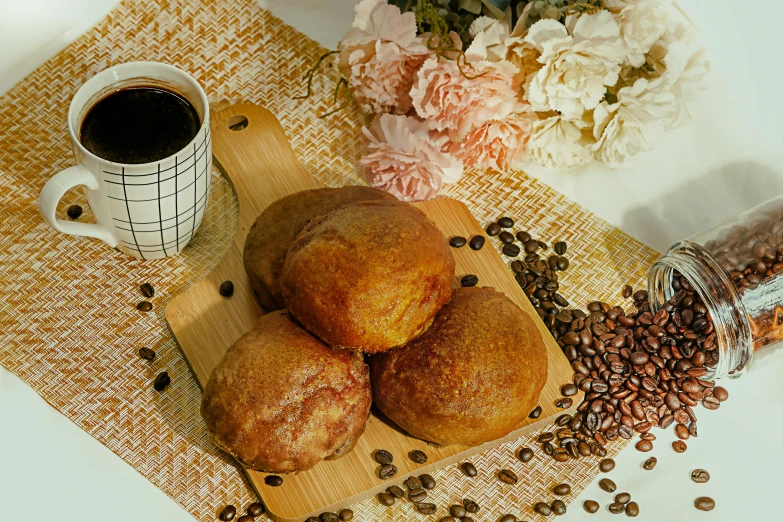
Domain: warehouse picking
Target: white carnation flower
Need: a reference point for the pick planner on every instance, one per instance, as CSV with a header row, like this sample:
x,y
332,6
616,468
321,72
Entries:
x,y
558,143
642,23
686,69
577,65
489,36
636,123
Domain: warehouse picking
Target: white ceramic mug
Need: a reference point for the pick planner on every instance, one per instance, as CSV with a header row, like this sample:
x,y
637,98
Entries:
x,y
147,210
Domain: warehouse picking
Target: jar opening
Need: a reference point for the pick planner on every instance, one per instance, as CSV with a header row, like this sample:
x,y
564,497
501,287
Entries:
x,y
723,303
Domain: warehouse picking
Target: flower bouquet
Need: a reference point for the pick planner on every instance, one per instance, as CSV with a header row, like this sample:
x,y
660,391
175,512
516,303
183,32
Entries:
x,y
497,83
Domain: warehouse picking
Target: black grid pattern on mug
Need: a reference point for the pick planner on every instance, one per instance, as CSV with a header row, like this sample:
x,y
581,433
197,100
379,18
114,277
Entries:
x,y
159,211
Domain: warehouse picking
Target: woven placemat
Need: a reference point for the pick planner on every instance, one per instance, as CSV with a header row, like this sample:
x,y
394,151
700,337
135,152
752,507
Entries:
x,y
68,323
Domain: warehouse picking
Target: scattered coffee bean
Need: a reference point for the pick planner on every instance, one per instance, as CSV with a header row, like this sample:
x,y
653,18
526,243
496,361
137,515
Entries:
x,y
426,508
477,242
606,465
616,508
564,403
558,507
468,469
627,291
412,483
313,519
591,506
546,437
144,306
650,463
567,390
146,353
458,511
470,506
418,456
147,290
632,509
458,241
523,237
622,498
161,381
508,476
448,519
607,485
704,504
387,471
720,393
507,518
386,499
345,514
74,211
245,518
560,248
644,445
329,517
511,250
681,431
228,513
273,480
226,289
711,403
536,413
468,519
693,429
256,509
700,476
417,495
493,229
679,446
469,280
427,482
382,456
395,491
506,237
506,222
562,489
526,454
542,508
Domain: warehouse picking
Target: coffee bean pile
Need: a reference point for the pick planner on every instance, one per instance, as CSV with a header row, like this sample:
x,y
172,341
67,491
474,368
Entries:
x,y
637,370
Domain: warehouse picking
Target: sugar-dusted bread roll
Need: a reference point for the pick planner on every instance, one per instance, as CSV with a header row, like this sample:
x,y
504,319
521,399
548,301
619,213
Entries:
x,y
281,400
471,378
275,229
369,276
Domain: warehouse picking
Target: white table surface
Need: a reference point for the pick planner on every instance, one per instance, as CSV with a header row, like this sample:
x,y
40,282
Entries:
x,y
729,156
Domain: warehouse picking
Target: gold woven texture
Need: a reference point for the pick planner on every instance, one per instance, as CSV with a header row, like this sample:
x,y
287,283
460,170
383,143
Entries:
x,y
68,322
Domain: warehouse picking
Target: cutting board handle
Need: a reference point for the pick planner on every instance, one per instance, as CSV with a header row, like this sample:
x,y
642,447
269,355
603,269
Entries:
x,y
252,150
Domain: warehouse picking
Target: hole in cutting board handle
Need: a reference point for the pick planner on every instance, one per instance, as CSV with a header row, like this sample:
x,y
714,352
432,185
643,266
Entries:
x,y
237,123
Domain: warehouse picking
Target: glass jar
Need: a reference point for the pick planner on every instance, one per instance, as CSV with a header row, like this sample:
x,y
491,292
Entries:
x,y
737,269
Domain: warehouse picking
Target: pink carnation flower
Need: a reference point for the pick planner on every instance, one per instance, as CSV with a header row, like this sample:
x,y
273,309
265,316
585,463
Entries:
x,y
498,144
449,101
379,57
403,160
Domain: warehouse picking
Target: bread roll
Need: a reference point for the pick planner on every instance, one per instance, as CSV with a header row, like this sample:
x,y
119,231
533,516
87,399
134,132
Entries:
x,y
471,378
281,400
369,276
275,229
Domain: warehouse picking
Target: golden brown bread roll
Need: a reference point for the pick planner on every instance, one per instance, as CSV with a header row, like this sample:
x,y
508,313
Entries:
x,y
369,276
275,229
281,400
471,378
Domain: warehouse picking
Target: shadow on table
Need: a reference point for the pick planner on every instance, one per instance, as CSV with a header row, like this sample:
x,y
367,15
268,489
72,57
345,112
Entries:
x,y
700,203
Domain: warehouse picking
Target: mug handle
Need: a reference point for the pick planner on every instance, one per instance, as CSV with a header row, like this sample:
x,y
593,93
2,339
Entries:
x,y
54,190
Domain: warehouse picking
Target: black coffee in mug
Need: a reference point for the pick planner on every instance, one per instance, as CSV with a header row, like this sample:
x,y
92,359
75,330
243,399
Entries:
x,y
139,125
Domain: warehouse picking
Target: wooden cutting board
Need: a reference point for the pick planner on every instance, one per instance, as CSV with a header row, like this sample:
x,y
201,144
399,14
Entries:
x,y
251,148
